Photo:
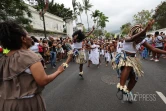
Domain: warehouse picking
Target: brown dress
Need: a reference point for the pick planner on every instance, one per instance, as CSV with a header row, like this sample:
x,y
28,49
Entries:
x,y
16,84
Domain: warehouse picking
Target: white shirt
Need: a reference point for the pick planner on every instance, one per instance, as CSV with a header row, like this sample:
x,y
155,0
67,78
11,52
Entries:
x,y
158,42
72,46
77,45
35,47
128,46
96,50
119,47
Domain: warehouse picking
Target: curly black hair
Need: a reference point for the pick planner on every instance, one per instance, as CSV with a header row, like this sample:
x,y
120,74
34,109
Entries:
x,y
80,36
10,35
34,39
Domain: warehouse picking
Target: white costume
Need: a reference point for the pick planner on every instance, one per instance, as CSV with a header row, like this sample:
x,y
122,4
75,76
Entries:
x,y
94,56
102,52
107,56
119,47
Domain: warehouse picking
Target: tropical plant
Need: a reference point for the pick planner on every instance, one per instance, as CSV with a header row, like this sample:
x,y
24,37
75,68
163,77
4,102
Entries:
x,y
108,35
75,4
15,10
102,20
80,10
60,10
95,16
86,6
160,15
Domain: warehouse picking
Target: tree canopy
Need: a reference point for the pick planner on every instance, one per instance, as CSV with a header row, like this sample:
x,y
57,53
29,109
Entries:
x,y
58,10
125,28
143,17
160,15
15,10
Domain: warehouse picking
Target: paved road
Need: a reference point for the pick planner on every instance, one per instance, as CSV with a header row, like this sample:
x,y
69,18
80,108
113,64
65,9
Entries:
x,y
97,92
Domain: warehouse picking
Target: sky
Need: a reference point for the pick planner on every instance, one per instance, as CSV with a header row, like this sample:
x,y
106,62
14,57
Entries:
x,y
118,11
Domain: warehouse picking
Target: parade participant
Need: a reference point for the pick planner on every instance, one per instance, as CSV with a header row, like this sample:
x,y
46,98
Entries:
x,y
53,51
112,49
119,46
107,54
102,50
127,62
78,51
22,76
94,56
35,48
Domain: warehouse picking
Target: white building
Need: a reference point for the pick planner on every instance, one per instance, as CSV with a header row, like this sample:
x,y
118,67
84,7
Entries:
x,y
53,23
31,2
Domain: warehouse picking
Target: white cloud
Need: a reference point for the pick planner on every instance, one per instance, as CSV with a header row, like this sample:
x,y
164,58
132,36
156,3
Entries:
x,y
118,11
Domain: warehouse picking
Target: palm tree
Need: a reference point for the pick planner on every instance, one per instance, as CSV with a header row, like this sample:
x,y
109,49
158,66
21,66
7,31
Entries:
x,y
102,20
87,7
75,4
80,9
95,15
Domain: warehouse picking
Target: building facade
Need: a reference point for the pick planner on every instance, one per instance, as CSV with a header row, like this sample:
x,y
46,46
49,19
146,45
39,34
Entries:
x,y
53,23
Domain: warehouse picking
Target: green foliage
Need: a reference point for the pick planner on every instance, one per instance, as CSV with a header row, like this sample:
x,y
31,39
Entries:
x,y
95,15
108,35
84,29
80,10
91,36
98,32
75,4
112,35
99,18
125,28
15,10
86,6
58,10
143,17
160,15
102,20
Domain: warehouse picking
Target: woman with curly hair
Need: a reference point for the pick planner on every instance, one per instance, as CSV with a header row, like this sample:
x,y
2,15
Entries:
x,y
127,64
22,76
78,50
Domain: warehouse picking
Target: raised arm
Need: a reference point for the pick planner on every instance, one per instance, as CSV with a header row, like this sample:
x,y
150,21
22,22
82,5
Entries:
x,y
90,32
142,33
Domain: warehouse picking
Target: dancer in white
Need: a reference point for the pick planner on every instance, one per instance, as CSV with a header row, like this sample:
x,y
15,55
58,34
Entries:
x,y
119,46
128,64
94,56
107,55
